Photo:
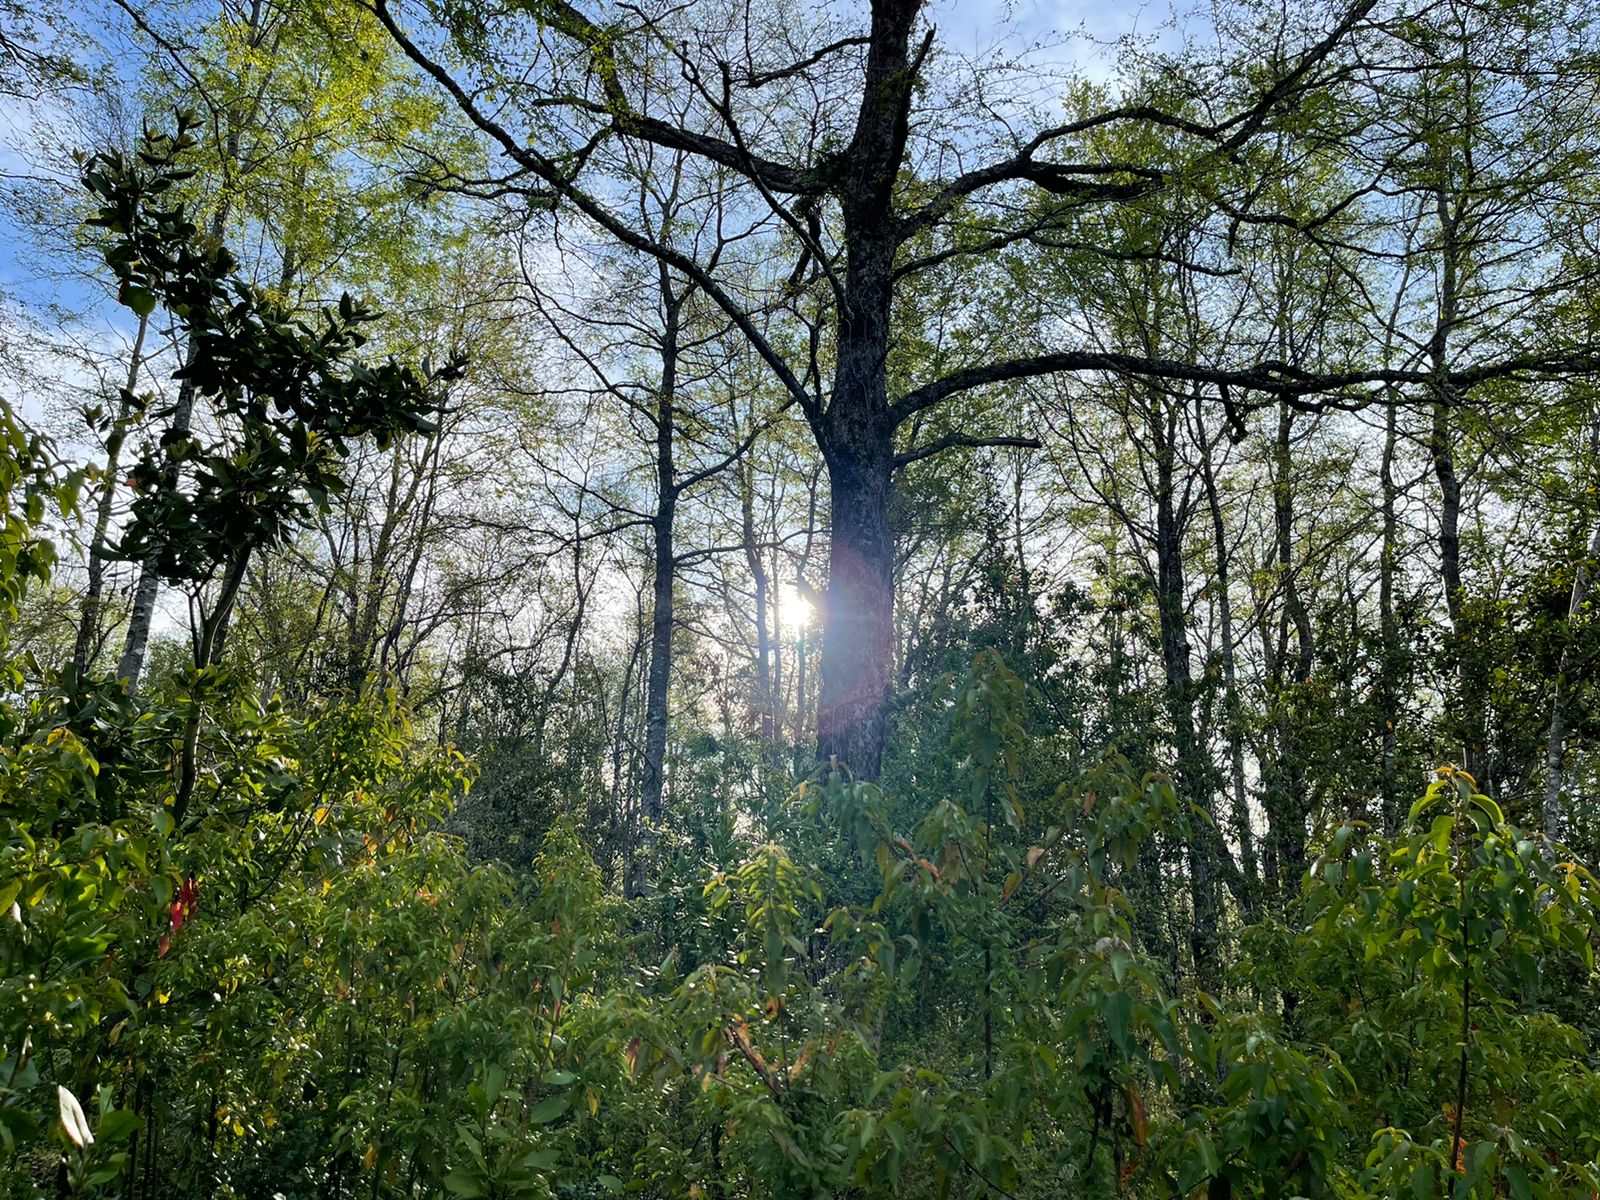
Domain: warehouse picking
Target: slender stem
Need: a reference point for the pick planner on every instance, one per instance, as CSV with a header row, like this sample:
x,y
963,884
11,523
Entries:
x,y
205,650
988,938
1466,1028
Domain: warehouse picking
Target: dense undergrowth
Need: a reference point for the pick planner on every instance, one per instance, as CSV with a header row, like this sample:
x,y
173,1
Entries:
x,y
307,990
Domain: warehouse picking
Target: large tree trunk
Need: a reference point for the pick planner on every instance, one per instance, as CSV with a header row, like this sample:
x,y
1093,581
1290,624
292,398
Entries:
x,y
858,615
856,432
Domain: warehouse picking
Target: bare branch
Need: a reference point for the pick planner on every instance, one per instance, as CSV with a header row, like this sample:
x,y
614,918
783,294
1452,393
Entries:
x,y
1275,379
565,186
939,445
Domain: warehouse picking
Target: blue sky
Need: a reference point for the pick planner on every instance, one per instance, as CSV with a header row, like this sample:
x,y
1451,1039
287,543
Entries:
x,y
977,21
23,126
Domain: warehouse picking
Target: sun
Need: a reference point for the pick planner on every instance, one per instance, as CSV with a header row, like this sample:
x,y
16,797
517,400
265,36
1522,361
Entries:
x,y
794,611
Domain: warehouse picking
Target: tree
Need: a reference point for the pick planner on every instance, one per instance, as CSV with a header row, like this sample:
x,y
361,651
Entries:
x,y
868,205
287,399
302,110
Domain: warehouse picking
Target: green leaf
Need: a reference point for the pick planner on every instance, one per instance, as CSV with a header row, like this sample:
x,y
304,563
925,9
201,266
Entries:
x,y
1118,1012
548,1109
494,1082
119,1124
141,300
458,1184
1490,807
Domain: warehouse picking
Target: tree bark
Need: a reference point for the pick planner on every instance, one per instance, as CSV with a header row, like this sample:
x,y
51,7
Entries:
x,y
131,665
779,715
1469,693
858,613
622,741
856,432
207,651
764,705
1286,803
1471,697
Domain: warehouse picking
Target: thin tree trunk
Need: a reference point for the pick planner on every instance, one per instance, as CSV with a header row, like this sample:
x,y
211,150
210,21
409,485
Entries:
x,y
1389,631
1025,606
258,31
208,648
89,618
758,575
665,574
1554,753
1205,941
1468,695
131,665
779,720
1233,709
1286,802
802,671
1470,692
619,743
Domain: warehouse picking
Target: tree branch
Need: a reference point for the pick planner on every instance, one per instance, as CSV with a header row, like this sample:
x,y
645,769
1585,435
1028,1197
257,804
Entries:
x,y
757,79
950,441
1278,380
567,21
1079,180
566,187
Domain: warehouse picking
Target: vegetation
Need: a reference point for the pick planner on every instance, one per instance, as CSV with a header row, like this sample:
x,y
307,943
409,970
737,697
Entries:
x,y
869,619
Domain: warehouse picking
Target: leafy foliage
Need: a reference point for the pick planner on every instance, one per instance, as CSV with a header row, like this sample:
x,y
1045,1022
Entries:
x,y
288,399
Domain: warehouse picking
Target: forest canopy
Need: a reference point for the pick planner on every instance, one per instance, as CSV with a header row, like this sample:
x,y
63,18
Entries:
x,y
795,600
